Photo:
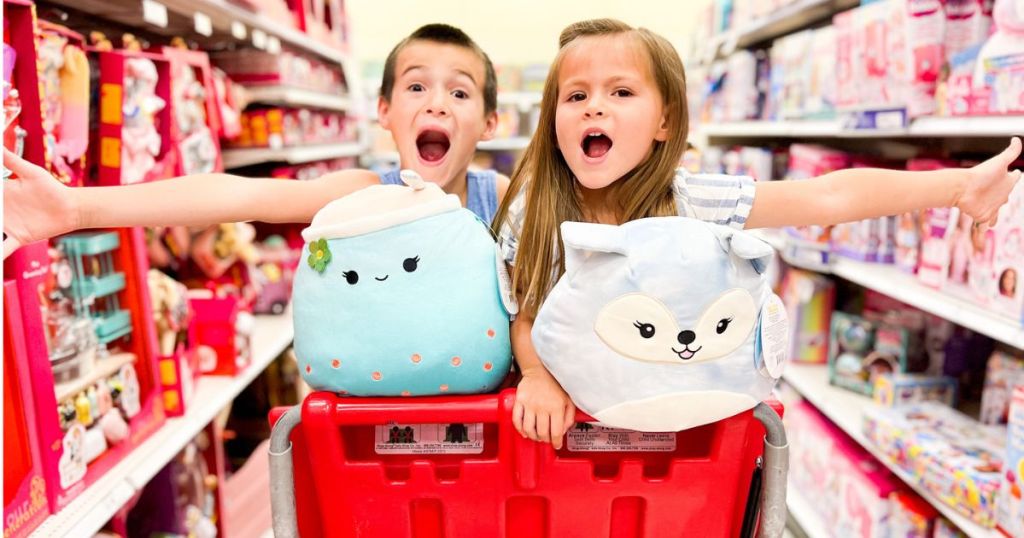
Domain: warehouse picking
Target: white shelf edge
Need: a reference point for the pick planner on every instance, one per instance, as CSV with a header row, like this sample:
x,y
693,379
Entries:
x,y
87,514
803,514
285,95
844,408
969,126
523,100
889,280
505,144
235,158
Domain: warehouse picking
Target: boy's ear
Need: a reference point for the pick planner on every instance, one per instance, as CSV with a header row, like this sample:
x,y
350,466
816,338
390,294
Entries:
x,y
383,106
662,134
491,125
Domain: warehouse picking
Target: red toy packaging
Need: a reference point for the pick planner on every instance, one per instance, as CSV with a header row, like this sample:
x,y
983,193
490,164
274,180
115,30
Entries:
x,y
23,130
25,505
222,324
95,389
196,118
177,353
135,118
64,91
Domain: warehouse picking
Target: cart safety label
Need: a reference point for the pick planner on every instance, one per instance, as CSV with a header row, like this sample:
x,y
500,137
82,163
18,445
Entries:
x,y
456,438
587,437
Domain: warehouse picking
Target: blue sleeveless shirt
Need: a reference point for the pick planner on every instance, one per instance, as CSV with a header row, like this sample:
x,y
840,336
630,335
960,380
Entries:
x,y
481,191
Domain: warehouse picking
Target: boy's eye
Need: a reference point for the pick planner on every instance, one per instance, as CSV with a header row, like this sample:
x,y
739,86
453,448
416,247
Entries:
x,y
623,93
416,87
459,94
351,277
410,264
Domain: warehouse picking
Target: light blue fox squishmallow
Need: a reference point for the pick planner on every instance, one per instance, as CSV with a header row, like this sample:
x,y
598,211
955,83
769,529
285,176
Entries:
x,y
400,295
662,324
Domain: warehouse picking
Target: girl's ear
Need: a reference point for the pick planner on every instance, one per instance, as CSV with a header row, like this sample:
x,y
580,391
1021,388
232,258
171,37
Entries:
x,y
579,239
662,134
490,126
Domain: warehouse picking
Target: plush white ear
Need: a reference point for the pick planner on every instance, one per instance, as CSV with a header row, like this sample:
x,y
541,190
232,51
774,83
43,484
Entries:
x,y
579,239
747,247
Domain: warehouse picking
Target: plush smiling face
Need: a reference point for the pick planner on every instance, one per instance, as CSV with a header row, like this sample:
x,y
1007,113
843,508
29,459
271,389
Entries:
x,y
656,324
412,308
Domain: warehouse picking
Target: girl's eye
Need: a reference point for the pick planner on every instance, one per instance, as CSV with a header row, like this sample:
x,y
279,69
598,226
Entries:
x,y
416,87
576,97
623,93
351,277
459,94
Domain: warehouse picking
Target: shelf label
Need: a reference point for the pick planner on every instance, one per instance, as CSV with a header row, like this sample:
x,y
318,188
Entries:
x,y
203,24
238,30
154,13
454,438
259,39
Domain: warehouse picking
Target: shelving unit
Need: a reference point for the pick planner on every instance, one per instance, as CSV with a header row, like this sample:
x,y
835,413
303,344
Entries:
x,y
97,504
236,158
803,514
284,95
505,144
977,127
845,409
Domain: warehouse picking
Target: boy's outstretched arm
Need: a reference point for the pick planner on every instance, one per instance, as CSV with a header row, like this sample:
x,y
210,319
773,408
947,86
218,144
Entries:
x,y
37,206
864,193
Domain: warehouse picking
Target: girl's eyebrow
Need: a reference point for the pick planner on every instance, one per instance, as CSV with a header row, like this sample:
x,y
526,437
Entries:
x,y
615,79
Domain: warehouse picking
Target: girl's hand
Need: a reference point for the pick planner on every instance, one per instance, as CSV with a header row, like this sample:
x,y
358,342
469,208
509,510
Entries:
x,y
36,205
543,411
988,186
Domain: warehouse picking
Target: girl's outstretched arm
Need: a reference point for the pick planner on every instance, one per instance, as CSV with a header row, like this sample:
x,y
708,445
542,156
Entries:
x,y
543,411
864,193
37,206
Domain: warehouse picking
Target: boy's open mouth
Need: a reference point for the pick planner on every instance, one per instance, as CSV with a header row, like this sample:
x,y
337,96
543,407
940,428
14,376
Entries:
x,y
596,144
432,145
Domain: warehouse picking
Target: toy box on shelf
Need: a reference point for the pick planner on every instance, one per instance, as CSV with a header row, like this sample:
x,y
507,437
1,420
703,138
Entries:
x,y
64,99
20,70
221,323
25,505
134,117
91,351
1003,372
255,67
810,299
1010,511
196,120
903,389
177,353
323,20
956,458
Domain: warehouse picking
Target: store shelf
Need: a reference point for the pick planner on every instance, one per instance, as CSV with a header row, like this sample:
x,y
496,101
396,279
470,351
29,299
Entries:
x,y
98,503
523,100
235,158
803,514
845,409
977,127
104,367
514,143
284,95
889,280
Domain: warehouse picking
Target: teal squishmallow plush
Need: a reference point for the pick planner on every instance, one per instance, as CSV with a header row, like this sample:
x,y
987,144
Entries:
x,y
400,295
662,324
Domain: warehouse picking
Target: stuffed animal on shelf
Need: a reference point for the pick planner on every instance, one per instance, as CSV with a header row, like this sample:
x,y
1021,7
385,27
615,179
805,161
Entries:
x,y
662,324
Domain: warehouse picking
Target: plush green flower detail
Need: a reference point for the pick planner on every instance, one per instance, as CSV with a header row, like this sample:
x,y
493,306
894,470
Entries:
x,y
319,255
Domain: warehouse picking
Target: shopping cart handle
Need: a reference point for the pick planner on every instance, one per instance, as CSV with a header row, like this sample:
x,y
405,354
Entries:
x,y
485,408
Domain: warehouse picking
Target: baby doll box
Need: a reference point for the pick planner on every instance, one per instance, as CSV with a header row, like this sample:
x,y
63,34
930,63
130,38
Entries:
x,y
20,24
400,295
663,324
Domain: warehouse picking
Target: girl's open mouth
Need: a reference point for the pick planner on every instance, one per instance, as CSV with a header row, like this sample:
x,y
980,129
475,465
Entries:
x,y
432,145
596,144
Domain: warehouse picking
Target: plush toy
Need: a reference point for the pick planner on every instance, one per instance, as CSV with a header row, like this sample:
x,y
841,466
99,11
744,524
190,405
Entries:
x,y
400,295
662,324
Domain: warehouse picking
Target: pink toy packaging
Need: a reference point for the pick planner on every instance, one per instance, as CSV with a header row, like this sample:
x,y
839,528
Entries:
x,y
809,299
1011,506
1005,289
912,516
937,240
1003,372
91,350
25,505
999,72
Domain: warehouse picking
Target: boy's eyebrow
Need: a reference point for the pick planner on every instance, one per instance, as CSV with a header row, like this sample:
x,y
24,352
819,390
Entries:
x,y
459,71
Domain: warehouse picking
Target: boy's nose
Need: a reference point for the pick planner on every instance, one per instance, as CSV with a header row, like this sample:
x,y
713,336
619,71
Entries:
x,y
436,110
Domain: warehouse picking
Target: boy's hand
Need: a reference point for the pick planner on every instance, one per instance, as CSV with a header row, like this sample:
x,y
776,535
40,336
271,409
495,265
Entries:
x,y
36,205
989,184
543,411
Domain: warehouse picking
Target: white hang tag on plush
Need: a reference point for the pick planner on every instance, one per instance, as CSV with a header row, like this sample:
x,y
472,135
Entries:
x,y
774,337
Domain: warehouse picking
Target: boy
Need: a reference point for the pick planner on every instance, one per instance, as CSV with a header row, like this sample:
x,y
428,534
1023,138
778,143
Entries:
x,y
438,99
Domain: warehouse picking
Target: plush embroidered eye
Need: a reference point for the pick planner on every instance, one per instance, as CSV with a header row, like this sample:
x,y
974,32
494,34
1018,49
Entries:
x,y
410,264
646,329
351,277
723,325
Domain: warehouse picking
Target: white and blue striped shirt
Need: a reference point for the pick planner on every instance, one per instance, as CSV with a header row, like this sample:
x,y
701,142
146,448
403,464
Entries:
x,y
717,198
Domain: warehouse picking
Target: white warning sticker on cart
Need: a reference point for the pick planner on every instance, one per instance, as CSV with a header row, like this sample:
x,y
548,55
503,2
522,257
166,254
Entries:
x,y
587,437
455,438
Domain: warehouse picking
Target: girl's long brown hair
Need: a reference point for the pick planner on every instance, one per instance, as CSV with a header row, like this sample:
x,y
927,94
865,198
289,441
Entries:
x,y
552,194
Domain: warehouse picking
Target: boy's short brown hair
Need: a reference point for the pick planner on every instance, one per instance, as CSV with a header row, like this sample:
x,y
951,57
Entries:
x,y
448,35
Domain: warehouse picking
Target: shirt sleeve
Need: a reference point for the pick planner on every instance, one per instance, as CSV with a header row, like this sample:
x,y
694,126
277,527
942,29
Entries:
x,y
510,230
716,198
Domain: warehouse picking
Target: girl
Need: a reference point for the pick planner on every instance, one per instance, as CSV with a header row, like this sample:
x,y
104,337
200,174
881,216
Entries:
x,y
612,130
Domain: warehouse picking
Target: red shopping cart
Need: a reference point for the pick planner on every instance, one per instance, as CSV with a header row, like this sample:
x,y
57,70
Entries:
x,y
328,479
